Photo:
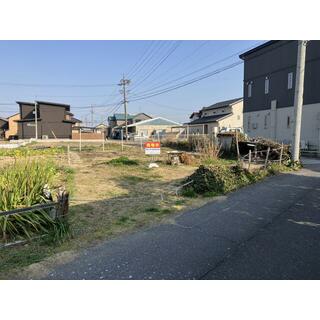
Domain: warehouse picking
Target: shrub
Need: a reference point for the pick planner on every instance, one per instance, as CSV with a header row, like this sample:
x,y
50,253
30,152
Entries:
x,y
21,185
123,161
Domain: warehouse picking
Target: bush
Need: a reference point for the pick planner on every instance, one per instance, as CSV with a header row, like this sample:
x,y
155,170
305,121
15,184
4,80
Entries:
x,y
220,178
21,185
123,161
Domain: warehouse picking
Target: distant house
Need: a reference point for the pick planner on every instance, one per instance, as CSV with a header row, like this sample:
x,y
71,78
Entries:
x,y
118,120
12,131
3,127
219,116
53,120
154,126
269,87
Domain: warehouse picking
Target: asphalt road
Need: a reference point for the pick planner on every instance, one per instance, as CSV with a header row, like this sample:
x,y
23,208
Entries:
x,y
269,230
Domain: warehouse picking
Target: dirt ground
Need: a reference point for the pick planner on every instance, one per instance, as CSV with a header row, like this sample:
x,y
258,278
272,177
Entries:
x,y
107,200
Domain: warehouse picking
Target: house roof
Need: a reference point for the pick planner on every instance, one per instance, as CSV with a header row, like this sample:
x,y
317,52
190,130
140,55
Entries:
x,y
221,104
209,119
4,119
266,44
120,116
66,106
154,121
13,115
75,120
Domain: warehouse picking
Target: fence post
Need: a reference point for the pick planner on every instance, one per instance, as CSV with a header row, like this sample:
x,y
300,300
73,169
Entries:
x,y
281,153
121,139
63,203
103,141
141,143
80,146
266,162
249,160
69,160
237,145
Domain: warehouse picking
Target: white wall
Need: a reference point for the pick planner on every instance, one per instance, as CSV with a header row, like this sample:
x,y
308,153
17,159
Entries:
x,y
268,125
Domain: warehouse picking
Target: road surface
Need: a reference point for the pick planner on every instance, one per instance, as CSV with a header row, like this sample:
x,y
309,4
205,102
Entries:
x,y
269,230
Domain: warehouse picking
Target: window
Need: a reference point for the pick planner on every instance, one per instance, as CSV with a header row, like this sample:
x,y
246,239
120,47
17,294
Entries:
x,y
288,122
249,123
249,89
290,80
266,85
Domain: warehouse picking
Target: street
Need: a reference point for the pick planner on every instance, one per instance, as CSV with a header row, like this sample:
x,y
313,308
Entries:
x,y
269,230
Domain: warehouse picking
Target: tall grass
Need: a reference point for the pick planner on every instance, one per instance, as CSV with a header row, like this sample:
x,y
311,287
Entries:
x,y
21,185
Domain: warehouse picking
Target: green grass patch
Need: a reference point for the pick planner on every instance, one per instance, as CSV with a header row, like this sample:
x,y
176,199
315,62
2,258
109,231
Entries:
x,y
27,151
123,161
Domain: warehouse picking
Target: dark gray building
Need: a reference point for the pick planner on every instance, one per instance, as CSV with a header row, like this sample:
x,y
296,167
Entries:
x,y
53,120
269,84
3,127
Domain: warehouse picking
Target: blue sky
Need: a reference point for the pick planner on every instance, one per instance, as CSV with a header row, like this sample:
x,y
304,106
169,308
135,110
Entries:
x,y
84,73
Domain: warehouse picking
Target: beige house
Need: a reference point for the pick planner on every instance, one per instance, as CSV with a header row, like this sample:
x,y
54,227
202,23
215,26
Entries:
x,y
218,117
12,126
153,126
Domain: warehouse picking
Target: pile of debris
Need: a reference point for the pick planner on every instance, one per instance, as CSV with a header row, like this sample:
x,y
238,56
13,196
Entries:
x,y
259,147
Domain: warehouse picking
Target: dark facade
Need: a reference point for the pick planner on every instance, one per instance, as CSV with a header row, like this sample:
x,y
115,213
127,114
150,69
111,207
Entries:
x,y
273,62
3,127
52,120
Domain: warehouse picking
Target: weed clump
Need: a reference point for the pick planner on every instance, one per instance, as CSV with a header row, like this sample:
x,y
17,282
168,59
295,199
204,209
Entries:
x,y
219,178
123,161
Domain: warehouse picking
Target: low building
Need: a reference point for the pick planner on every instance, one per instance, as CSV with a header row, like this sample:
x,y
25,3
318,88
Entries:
x,y
53,120
12,131
152,126
3,127
269,87
88,133
217,117
118,120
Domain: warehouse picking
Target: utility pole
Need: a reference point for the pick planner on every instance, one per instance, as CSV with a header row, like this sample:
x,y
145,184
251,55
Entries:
x,y
36,118
91,116
298,98
123,83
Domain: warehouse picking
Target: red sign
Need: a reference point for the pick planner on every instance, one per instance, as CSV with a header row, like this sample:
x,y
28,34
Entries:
x,y
152,145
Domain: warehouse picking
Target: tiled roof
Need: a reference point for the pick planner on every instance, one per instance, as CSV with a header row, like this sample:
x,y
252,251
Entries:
x,y
209,119
225,103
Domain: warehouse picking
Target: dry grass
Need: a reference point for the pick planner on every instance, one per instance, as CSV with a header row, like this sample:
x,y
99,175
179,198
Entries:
x,y
108,200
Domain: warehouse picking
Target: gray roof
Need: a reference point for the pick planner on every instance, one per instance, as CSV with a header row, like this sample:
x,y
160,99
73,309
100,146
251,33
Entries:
x,y
266,44
210,118
4,119
221,104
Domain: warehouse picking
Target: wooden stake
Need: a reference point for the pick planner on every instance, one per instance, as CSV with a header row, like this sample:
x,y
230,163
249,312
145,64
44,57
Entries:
x,y
249,160
237,145
63,203
266,162
281,153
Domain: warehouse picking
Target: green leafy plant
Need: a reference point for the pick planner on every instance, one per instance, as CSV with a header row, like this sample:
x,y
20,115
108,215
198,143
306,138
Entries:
x,y
21,185
123,161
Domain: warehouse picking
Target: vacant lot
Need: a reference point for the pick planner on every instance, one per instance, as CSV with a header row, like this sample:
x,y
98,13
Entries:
x,y
112,192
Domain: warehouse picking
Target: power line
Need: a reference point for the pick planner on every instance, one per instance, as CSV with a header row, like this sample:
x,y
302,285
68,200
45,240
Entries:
x,y
186,83
191,73
138,62
13,84
157,65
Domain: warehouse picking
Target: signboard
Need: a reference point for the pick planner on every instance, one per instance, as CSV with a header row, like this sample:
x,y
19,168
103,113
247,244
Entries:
x,y
152,148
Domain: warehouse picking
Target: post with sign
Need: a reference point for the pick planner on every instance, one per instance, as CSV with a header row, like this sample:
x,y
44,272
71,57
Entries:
x,y
152,148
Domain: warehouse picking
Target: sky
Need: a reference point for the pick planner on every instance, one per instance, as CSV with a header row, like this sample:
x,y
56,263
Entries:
x,y
86,74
